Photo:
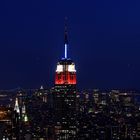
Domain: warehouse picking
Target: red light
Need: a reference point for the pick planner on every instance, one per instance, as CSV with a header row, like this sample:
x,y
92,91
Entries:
x,y
65,78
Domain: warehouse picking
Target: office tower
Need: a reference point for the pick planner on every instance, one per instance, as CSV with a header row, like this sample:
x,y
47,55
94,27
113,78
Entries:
x,y
64,94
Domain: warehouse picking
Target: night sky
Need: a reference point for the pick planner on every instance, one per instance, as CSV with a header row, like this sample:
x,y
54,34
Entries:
x,y
104,42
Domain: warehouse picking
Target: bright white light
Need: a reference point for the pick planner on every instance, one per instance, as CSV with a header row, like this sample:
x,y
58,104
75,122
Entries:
x,y
71,68
59,68
26,118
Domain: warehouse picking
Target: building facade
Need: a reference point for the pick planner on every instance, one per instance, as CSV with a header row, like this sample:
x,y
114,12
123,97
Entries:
x,y
64,93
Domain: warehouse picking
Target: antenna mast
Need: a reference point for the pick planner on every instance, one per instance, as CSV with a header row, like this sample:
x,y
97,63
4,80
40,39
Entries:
x,y
66,39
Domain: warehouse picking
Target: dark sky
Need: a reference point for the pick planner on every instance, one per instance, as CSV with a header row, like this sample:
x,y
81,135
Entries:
x,y
104,41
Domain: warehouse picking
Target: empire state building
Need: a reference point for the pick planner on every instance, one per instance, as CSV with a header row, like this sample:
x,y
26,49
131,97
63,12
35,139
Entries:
x,y
64,94
65,72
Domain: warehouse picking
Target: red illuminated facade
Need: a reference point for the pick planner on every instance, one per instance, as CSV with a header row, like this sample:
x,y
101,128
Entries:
x,y
65,73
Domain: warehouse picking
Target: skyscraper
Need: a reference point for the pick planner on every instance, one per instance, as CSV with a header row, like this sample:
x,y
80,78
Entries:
x,y
65,96
65,72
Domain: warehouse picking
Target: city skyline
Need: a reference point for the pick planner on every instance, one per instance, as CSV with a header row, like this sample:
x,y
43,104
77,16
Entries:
x,y
69,70
103,40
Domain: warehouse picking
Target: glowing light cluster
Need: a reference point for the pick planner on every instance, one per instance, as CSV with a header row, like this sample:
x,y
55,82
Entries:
x,y
71,68
59,68
65,73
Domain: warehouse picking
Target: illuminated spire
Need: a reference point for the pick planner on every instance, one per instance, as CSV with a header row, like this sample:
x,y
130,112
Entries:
x,y
66,39
23,109
16,108
41,88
